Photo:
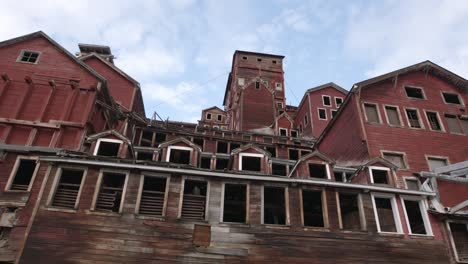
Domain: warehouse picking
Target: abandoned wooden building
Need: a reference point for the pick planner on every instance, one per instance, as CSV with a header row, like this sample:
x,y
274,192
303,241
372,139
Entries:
x,y
377,174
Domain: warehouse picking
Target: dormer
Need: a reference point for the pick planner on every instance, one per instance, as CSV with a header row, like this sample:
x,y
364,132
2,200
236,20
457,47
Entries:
x,y
251,158
377,171
180,151
283,125
110,143
314,165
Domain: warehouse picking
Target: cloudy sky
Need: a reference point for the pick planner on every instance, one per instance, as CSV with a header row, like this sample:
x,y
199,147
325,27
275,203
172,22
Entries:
x,y
180,50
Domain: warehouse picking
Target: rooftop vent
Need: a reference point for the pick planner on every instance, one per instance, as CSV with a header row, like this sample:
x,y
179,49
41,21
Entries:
x,y
101,50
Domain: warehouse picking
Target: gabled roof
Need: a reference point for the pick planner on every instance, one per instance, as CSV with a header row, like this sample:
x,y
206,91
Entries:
x,y
285,114
250,146
108,133
112,66
213,107
323,86
180,139
315,153
381,161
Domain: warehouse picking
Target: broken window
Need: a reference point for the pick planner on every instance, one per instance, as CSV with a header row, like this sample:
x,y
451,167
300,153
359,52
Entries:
x,y
414,211
205,162
194,200
322,114
312,208
451,98
318,170
349,211
372,114
68,187
23,175
412,184
29,56
459,237
435,163
222,147
107,148
413,118
208,116
452,124
272,151
283,132
250,163
274,205
259,59
393,116
294,133
379,176
338,101
110,193
235,199
152,196
180,156
395,158
293,154
221,163
146,139
333,113
144,155
326,100
385,215
278,169
433,119
414,92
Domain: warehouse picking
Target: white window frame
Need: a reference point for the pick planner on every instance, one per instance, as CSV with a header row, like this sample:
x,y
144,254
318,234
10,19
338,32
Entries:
x,y
98,144
286,204
326,222
442,128
247,201
98,187
261,156
436,157
327,169
297,132
419,118
219,117
371,175
181,194
396,214
283,129
376,109
206,116
333,111
415,87
452,241
278,86
318,113
140,190
58,176
405,158
329,99
362,216
169,148
240,81
398,112
279,105
448,92
336,103
423,209
18,59
15,170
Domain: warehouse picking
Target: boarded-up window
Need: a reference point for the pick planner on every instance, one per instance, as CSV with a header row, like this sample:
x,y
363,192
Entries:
x,y
415,217
380,176
318,170
109,198
385,214
349,211
433,120
251,163
413,118
459,232
274,205
67,189
312,208
180,156
194,200
451,98
278,169
371,113
23,175
435,163
235,197
152,196
396,159
392,115
452,124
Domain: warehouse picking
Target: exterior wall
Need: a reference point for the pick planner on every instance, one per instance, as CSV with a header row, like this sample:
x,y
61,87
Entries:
x,y
213,122
264,109
303,110
315,99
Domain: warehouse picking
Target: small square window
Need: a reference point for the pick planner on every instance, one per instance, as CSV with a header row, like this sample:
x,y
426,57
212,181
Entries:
x,y
379,176
273,61
318,171
393,116
326,100
395,158
412,184
322,114
251,163
338,101
244,57
279,169
259,59
29,56
414,92
220,117
208,116
279,86
107,148
293,154
433,120
179,156
205,162
283,132
293,133
435,163
451,98
452,124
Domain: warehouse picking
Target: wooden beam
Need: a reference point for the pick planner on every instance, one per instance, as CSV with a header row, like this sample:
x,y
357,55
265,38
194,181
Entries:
x,y
69,104
49,98
13,121
26,95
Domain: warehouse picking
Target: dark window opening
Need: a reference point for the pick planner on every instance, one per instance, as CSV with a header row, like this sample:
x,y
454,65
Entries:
x,y
194,201
322,114
208,116
279,169
318,170
235,199
222,147
280,112
251,163
23,175
220,117
380,176
257,85
29,56
459,233
180,156
415,217
272,151
199,142
451,98
110,192
333,113
160,138
413,118
274,206
349,208
234,146
392,115
152,196
244,57
205,163
338,101
283,132
109,149
68,188
221,164
273,61
326,100
145,156
385,214
414,92
259,59
293,154
305,152
146,139
293,133
339,176
452,124
371,113
306,119
433,119
312,208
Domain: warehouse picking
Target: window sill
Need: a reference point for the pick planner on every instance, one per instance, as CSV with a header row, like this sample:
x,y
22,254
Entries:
x,y
62,210
391,234
373,123
273,226
353,231
396,126
16,191
315,228
421,236
149,217
234,224
417,128
92,212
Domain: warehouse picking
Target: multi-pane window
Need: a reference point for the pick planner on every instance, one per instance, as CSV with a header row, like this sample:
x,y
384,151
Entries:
x,y
110,194
433,120
452,123
350,217
25,169
372,113
322,114
29,56
274,205
413,118
414,92
451,98
395,158
326,100
235,200
393,116
68,188
416,216
386,214
312,208
152,197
